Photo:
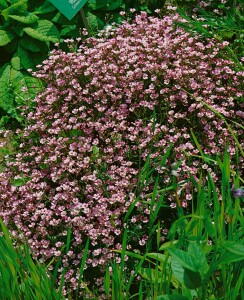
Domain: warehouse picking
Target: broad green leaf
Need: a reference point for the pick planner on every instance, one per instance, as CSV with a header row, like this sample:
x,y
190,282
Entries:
x,y
15,63
6,94
5,37
44,31
94,22
172,297
232,252
235,248
195,250
18,8
29,60
192,280
29,44
27,19
186,260
177,270
3,4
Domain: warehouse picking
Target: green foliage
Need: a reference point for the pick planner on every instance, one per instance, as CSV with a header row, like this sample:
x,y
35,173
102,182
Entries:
x,y
22,277
28,31
222,21
204,255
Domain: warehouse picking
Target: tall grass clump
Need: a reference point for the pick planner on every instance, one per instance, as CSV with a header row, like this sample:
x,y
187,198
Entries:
x,y
202,256
23,277
143,96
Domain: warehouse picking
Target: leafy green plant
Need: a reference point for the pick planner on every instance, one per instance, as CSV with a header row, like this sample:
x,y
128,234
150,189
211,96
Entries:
x,y
204,255
23,277
223,21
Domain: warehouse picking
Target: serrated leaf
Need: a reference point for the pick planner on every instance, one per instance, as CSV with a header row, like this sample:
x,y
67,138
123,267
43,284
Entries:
x,y
15,63
18,8
5,37
44,31
27,19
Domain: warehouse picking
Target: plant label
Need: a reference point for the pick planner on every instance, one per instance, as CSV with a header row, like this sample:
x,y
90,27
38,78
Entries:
x,y
69,8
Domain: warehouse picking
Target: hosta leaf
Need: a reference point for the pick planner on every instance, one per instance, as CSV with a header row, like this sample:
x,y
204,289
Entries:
x,y
28,19
5,37
44,31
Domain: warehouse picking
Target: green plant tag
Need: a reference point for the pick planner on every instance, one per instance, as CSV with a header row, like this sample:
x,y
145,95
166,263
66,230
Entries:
x,y
69,8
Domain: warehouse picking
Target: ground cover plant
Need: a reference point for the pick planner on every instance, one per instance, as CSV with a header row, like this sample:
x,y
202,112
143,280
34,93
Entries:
x,y
28,31
143,96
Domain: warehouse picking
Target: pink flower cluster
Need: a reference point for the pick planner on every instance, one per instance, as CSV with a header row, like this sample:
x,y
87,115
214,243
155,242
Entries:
x,y
124,96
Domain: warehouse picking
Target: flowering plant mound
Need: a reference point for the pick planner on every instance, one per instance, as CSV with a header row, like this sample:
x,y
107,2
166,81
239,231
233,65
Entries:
x,y
122,97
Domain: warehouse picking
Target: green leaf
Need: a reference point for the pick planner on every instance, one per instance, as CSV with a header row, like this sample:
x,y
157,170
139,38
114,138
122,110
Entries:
x,y
6,94
185,259
47,7
192,280
157,256
167,245
177,270
27,19
3,4
29,60
197,252
29,43
18,8
231,252
172,297
15,63
5,37
44,31
18,182
94,22
105,5
149,274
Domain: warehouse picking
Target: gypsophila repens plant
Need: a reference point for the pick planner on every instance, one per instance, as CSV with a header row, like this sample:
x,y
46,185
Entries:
x,y
120,100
